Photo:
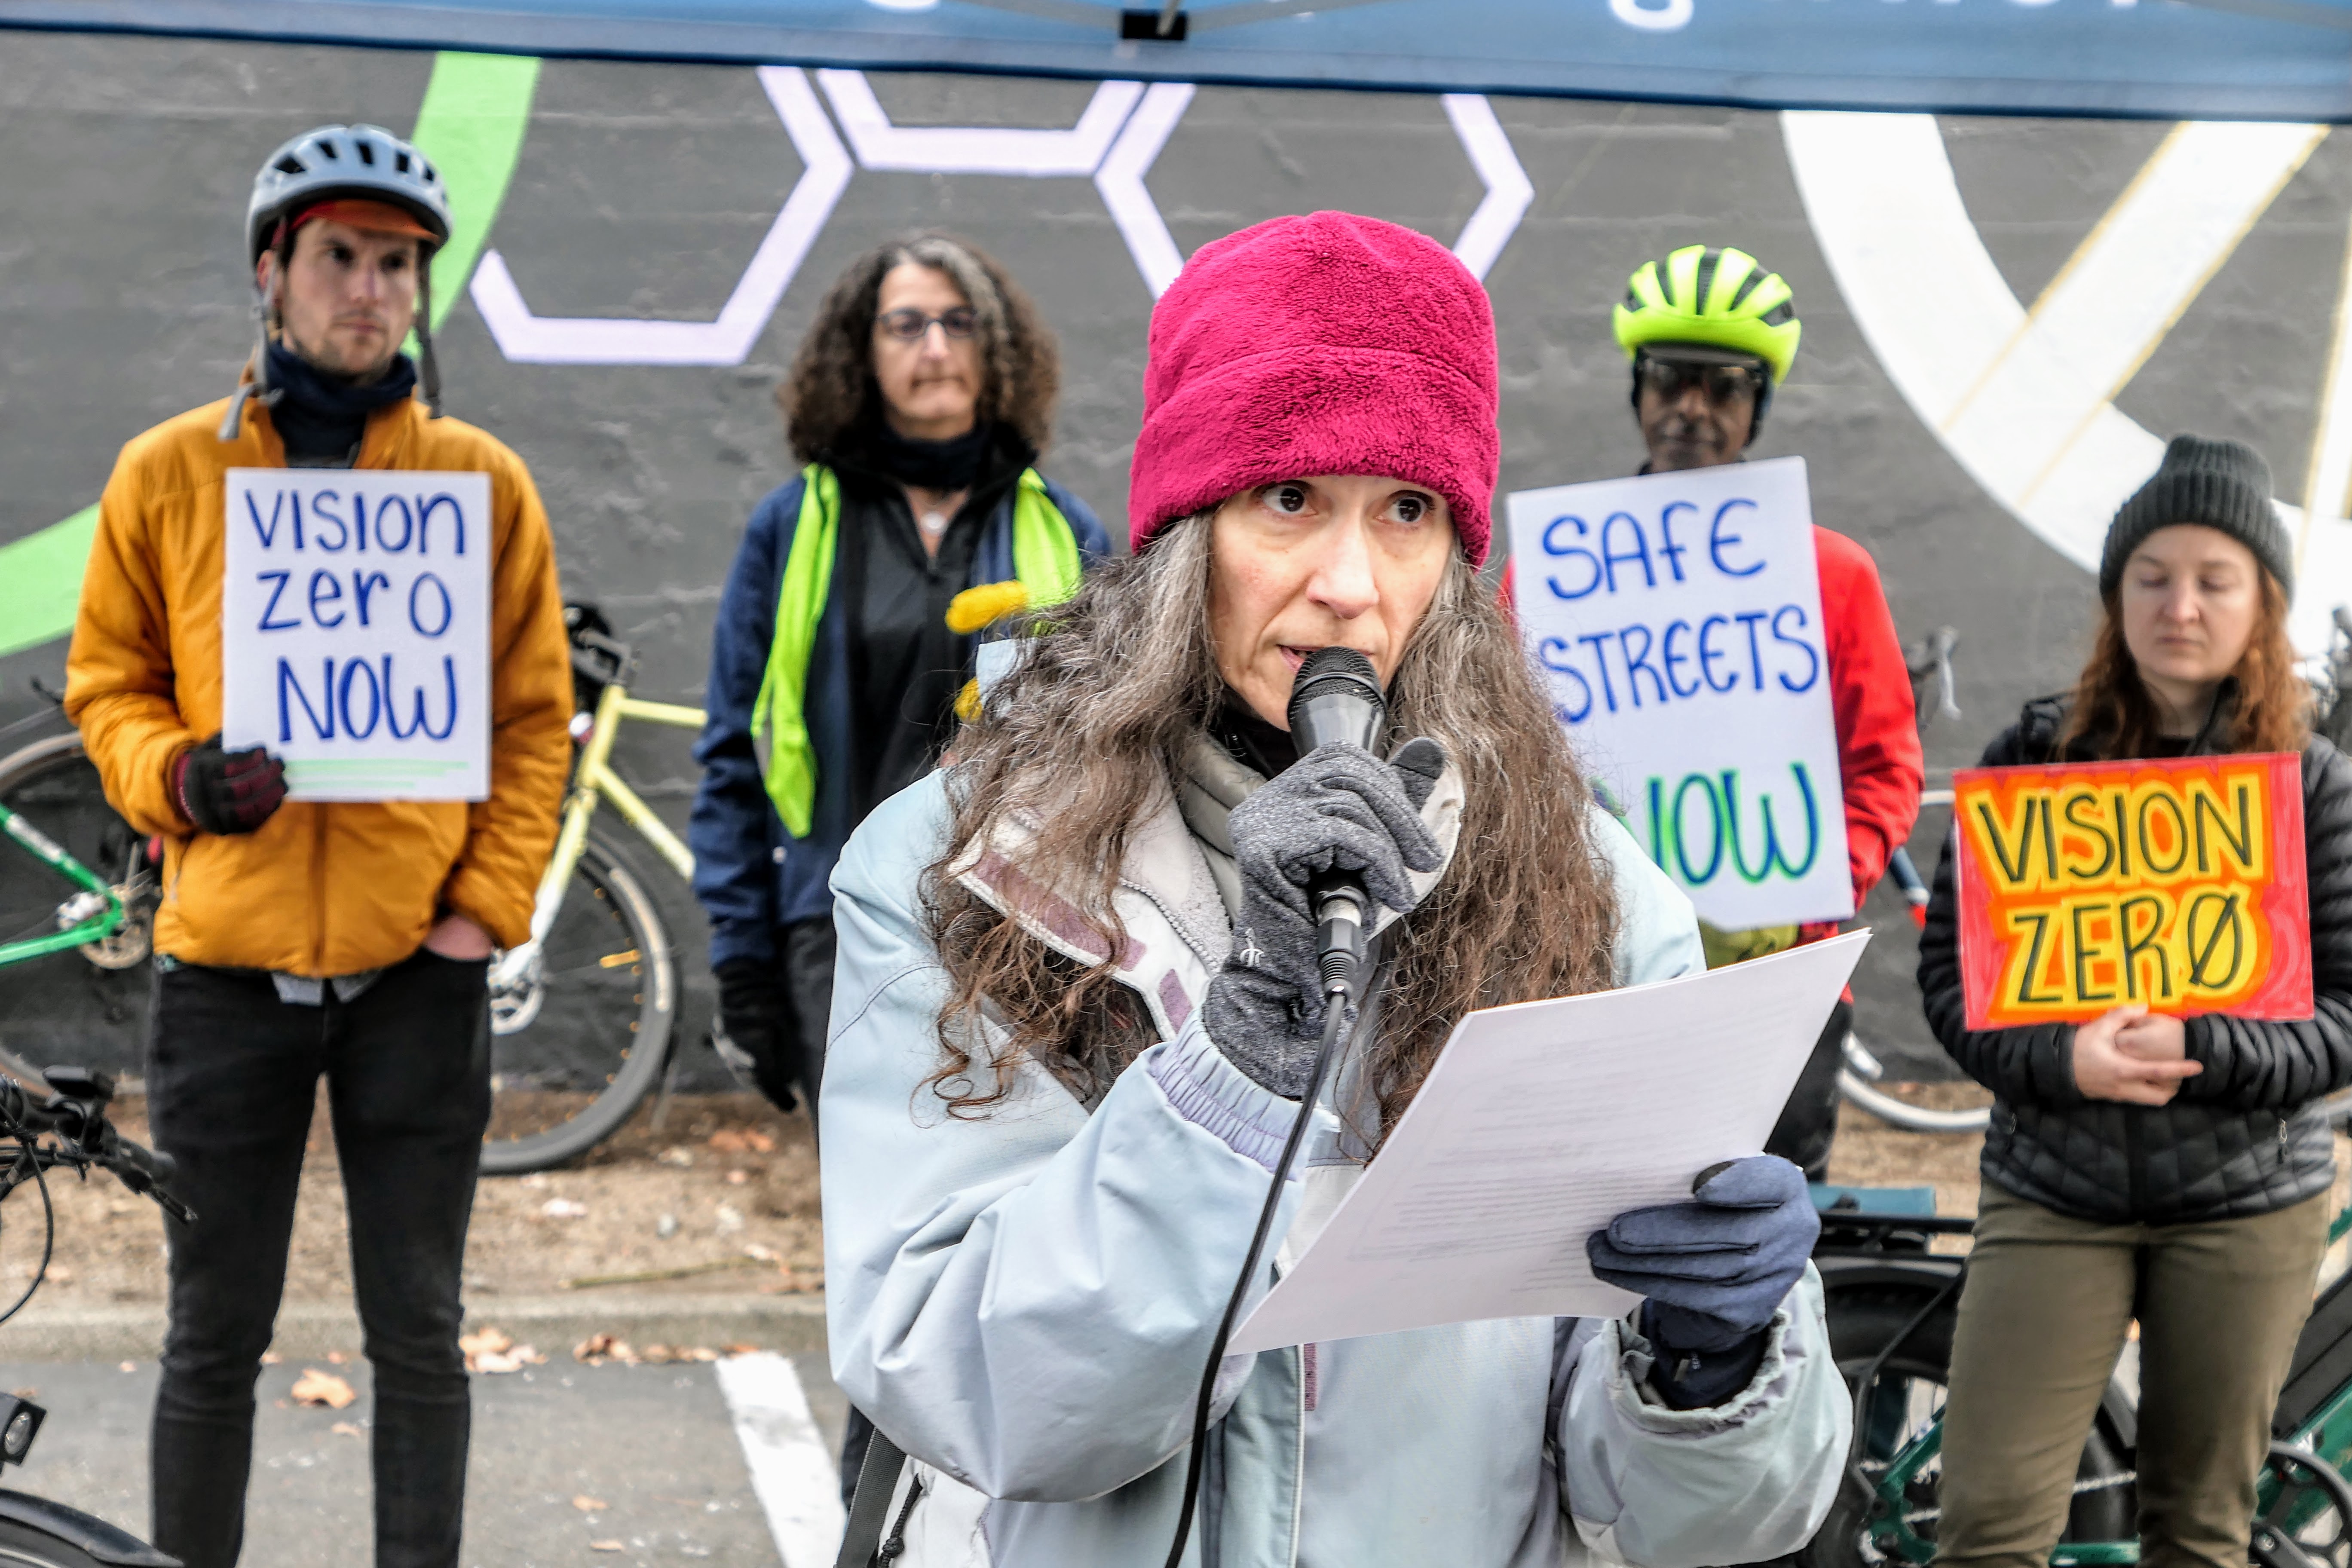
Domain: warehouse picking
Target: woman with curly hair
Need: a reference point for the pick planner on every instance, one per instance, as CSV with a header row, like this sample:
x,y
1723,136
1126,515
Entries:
x,y
2141,1168
1077,1005
917,406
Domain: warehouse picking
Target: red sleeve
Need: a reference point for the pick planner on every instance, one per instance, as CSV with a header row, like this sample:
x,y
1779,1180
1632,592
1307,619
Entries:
x,y
1879,764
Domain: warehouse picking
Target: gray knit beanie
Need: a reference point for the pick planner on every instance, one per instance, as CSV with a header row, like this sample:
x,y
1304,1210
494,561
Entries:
x,y
2221,484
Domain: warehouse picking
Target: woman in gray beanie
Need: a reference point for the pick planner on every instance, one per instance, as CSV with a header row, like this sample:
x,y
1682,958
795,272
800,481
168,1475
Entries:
x,y
2173,1172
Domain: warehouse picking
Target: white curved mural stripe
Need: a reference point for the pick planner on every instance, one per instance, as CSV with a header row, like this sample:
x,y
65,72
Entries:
x,y
1120,181
1509,192
2023,399
2327,485
587,340
976,149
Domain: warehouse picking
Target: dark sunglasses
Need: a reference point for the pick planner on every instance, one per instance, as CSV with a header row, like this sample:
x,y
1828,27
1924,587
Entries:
x,y
910,325
1722,382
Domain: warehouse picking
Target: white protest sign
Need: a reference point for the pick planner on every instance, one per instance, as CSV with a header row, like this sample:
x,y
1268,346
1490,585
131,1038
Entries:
x,y
355,630
1678,621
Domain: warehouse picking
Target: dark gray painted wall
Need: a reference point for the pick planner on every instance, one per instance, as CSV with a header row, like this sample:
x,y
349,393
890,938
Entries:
x,y
641,190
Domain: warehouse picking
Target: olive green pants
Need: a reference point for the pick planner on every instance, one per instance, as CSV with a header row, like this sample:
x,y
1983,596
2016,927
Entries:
x,y
2043,1318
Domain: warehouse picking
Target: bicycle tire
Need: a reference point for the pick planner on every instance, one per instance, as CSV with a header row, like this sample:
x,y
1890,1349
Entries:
x,y
22,1546
63,1007
599,1053
1910,1118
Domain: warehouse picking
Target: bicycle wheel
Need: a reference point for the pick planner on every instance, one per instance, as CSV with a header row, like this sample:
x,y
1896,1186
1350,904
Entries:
x,y
578,1042
88,1007
28,1545
1906,1396
2307,1514
1912,1107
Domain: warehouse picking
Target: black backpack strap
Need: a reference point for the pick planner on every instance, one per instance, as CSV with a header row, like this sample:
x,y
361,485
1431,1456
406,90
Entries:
x,y
869,1509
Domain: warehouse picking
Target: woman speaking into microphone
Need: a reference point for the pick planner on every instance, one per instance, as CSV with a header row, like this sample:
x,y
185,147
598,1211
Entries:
x,y
1078,1004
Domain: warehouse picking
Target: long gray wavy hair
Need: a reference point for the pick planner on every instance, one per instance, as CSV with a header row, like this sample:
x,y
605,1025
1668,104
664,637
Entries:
x,y
1094,724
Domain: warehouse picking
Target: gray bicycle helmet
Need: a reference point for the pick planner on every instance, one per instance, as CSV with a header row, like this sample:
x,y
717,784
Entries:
x,y
343,162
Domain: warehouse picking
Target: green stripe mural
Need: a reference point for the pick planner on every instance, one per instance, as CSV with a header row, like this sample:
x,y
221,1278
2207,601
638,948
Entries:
x,y
471,123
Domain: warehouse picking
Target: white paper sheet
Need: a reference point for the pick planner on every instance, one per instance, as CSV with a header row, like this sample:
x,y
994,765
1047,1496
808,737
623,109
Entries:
x,y
1541,1123
355,629
1677,617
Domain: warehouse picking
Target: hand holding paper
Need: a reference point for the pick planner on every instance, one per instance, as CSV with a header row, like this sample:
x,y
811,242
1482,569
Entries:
x,y
1542,1123
1714,1269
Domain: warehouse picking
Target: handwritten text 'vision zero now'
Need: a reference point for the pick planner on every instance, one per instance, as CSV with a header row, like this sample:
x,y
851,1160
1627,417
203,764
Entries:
x,y
1745,655
378,578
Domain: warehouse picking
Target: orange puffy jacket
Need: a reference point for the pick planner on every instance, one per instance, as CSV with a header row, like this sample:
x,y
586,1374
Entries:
x,y
321,888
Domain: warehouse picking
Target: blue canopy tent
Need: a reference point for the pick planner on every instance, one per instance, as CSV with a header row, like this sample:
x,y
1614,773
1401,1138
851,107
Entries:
x,y
2240,60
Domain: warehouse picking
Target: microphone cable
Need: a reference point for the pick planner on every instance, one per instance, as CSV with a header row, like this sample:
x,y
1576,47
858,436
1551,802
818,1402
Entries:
x,y
1339,987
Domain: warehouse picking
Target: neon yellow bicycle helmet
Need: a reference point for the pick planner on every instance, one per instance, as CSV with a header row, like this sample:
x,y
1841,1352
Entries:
x,y
1720,298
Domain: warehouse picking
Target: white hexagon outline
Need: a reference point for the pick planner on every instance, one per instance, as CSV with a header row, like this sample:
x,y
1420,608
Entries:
x,y
527,339
1118,138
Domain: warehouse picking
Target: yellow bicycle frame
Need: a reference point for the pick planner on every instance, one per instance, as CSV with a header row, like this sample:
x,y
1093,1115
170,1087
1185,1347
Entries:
x,y
593,778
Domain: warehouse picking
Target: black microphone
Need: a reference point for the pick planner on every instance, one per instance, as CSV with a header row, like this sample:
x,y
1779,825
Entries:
x,y
1337,696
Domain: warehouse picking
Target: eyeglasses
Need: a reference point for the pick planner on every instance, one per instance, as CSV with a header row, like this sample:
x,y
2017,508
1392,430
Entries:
x,y
910,325
1722,382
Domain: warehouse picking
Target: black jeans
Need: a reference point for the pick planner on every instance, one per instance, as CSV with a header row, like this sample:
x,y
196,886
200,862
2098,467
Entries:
x,y
232,1079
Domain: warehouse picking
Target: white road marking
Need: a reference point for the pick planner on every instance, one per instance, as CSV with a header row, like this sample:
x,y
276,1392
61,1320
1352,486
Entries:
x,y
793,1472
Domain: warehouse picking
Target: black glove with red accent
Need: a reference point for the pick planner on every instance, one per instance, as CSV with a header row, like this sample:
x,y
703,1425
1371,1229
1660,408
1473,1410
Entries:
x,y
228,792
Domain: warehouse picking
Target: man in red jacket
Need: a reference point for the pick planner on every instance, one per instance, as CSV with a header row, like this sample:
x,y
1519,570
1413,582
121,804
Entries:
x,y
1710,333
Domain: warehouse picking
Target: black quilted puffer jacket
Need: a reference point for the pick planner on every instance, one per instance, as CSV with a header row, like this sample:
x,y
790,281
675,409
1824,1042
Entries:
x,y
2241,1138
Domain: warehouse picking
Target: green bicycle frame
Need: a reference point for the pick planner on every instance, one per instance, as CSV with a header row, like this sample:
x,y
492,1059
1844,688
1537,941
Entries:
x,y
595,779
2327,1434
97,926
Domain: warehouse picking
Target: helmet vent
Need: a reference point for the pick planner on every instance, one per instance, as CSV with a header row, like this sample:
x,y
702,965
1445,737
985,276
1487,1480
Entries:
x,y
400,161
291,165
367,153
328,149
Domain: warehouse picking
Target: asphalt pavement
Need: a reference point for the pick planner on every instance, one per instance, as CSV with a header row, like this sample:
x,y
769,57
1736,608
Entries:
x,y
729,1462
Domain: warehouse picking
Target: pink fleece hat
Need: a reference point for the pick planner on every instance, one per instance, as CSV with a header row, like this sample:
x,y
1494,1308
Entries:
x,y
1324,344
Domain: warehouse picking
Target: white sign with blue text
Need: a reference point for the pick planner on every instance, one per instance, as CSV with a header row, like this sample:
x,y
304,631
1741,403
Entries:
x,y
355,630
1677,618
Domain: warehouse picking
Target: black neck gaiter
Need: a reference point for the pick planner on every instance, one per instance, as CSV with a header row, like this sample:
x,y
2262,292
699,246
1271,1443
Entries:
x,y
319,415
1250,740
950,465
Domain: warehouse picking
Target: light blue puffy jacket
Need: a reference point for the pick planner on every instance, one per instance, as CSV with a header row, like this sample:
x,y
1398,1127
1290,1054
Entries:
x,y
1023,1301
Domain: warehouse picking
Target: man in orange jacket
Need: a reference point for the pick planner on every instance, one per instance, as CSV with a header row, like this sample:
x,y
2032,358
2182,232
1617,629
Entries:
x,y
1710,333
299,939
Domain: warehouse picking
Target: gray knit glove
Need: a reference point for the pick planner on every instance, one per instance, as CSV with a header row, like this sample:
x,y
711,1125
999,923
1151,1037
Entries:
x,y
1339,808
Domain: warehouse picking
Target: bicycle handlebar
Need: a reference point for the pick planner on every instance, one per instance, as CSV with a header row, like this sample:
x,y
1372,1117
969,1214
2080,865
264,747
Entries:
x,y
76,1113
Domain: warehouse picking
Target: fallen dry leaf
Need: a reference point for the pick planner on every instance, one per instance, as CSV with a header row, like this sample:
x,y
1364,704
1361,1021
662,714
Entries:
x,y
270,1358
737,1347
336,1358
737,1178
345,1429
700,1353
316,1387
587,1504
677,1154
598,1349
564,1208
490,1338
26,1392
128,1366
728,1141
58,1274
604,1546
657,1355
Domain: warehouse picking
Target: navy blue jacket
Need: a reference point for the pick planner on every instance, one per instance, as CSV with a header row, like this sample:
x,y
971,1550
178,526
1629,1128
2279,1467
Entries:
x,y
752,875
